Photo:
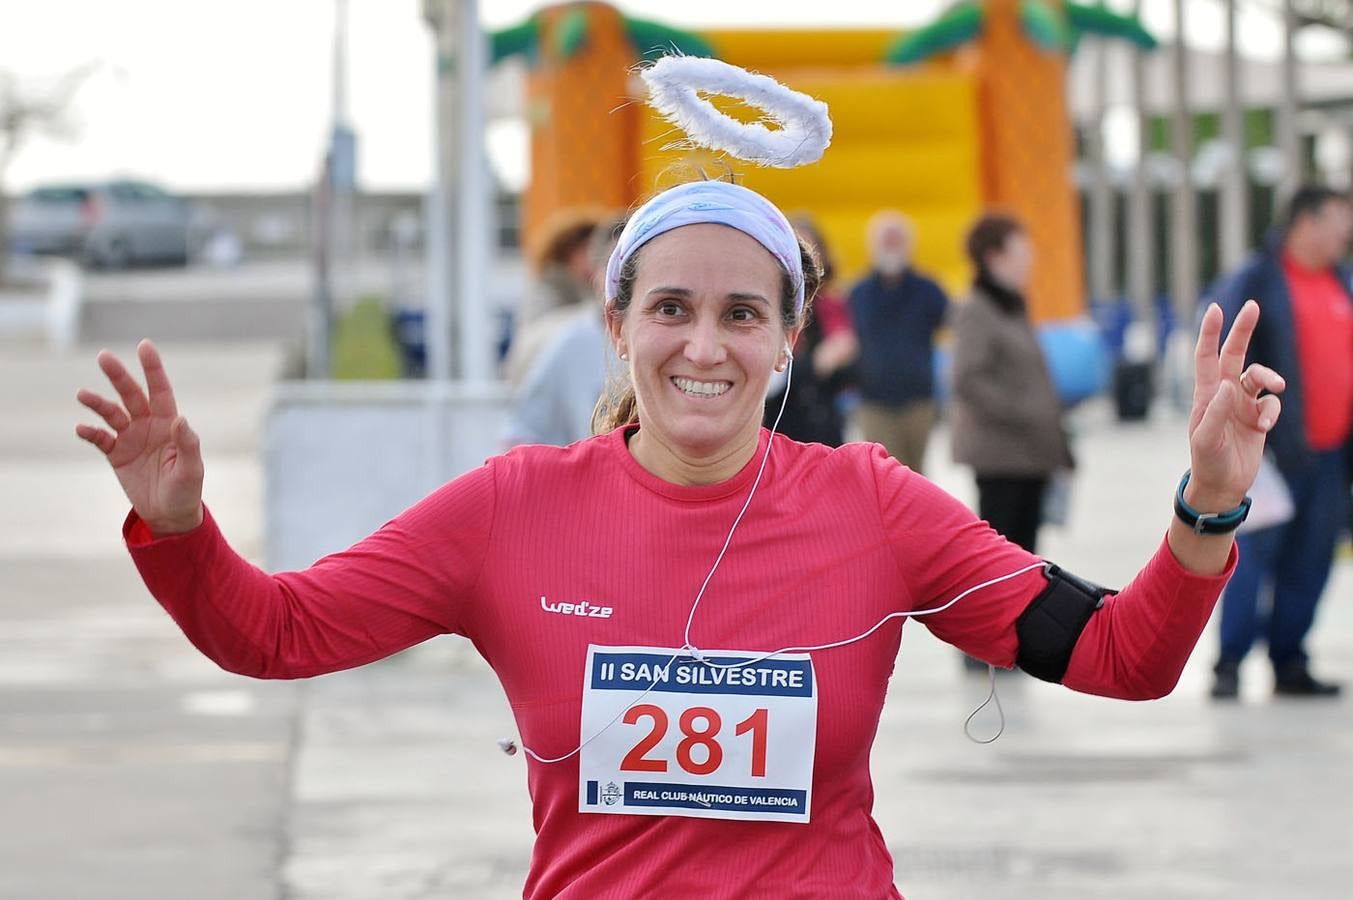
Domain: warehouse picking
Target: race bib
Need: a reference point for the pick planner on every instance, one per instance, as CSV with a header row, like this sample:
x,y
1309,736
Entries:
x,y
708,741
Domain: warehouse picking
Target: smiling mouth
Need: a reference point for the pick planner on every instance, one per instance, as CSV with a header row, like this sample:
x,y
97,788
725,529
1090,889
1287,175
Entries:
x,y
702,389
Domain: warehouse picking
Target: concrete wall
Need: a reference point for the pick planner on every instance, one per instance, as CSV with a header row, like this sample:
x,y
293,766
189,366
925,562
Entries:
x,y
341,459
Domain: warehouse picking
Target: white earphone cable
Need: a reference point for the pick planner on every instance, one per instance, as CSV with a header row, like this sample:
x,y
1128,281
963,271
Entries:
x,y
509,747
879,624
770,441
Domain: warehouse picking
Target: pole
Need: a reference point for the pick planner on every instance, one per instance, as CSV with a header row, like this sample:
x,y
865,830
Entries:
x,y
1178,369
1102,286
321,247
340,59
473,219
1183,237
1141,234
1289,137
1235,185
342,173
439,308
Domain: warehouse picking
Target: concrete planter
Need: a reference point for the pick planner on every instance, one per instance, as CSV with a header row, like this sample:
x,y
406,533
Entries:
x,y
46,303
342,458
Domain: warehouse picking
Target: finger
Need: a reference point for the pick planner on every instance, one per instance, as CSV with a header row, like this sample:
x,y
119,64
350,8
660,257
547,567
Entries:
x,y
133,398
1269,408
1256,379
1205,370
1212,423
187,441
157,380
110,412
1205,351
1232,357
97,436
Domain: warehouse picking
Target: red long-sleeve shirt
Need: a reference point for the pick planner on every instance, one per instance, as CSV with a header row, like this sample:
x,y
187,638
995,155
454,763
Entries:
x,y
1323,319
833,541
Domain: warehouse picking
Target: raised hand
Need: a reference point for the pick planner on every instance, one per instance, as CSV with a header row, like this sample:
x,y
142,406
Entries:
x,y
1230,419
153,452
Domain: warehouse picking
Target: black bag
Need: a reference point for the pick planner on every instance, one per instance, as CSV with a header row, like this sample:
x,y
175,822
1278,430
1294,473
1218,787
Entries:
x,y
1132,390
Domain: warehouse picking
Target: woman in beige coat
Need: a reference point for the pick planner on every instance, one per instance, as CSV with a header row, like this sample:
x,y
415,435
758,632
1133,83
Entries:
x,y
1007,418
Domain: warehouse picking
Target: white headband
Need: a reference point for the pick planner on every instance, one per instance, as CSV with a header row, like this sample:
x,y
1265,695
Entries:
x,y
710,202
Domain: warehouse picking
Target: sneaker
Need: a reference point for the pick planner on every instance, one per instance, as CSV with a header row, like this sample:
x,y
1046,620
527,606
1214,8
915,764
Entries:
x,y
1226,684
1297,681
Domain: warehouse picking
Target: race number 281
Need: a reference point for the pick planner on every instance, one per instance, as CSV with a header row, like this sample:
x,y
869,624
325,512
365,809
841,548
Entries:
x,y
700,727
731,735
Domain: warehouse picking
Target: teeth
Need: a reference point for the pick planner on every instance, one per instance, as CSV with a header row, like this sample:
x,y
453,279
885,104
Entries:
x,y
703,388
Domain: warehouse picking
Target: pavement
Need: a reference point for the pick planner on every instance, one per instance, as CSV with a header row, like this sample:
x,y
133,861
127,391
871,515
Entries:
x,y
132,767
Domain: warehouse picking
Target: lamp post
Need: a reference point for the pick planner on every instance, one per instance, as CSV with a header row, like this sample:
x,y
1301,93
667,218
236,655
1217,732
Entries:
x,y
1235,186
1141,274
1102,283
331,207
1184,239
459,224
1289,135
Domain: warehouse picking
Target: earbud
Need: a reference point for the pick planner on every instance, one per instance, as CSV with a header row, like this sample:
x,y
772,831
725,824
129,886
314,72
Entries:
x,y
789,353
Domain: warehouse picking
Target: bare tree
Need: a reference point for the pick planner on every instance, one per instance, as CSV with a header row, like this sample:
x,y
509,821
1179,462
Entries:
x,y
25,112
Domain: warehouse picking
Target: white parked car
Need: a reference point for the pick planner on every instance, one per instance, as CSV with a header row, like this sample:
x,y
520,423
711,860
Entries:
x,y
109,224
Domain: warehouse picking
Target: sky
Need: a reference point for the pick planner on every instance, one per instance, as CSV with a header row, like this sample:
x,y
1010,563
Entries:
x,y
201,96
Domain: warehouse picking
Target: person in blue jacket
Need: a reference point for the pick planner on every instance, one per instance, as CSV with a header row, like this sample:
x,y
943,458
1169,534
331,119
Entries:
x,y
1306,333
897,312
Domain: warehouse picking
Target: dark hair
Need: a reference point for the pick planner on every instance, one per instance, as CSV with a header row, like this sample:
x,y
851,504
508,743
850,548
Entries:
x,y
618,406
988,235
1309,200
812,235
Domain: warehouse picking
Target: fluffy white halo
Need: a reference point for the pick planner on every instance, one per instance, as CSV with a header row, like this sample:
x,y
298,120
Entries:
x,y
675,84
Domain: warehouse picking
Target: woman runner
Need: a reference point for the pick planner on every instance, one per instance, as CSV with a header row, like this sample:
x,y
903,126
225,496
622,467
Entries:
x,y
672,754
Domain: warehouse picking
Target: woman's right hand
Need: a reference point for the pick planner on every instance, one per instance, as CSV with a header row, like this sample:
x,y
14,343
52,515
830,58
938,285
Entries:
x,y
155,455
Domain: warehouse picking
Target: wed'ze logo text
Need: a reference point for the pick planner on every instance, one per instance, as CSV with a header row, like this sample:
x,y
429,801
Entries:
x,y
584,609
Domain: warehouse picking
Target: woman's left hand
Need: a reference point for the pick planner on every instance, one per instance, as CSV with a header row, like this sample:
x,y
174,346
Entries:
x,y
1230,419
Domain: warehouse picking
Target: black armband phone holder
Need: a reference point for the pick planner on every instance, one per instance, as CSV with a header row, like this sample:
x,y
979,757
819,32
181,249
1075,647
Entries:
x,y
1053,621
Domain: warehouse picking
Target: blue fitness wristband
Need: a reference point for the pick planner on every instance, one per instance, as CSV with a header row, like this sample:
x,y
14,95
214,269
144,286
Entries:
x,y
1208,523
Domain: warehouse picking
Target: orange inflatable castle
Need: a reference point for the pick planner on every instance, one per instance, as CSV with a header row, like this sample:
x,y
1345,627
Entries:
x,y
966,114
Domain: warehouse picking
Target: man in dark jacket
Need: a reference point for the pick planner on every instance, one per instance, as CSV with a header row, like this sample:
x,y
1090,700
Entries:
x,y
1305,332
896,312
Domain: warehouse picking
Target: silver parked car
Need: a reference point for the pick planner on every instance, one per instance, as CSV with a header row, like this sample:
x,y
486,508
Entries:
x,y
110,224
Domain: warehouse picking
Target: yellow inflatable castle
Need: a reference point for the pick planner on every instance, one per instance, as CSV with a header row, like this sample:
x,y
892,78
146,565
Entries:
x,y
941,123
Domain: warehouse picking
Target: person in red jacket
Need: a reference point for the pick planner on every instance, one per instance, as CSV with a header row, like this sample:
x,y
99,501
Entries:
x,y
695,633
1306,295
